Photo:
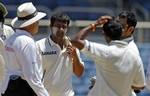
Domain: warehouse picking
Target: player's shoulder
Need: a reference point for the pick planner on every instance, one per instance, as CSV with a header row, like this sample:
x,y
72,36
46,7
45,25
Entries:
x,y
9,28
8,31
132,53
41,41
23,39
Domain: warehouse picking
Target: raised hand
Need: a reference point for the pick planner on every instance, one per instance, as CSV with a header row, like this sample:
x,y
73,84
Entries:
x,y
102,20
71,51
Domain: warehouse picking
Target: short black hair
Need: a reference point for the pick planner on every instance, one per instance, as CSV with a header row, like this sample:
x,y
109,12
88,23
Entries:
x,y
131,18
113,29
60,17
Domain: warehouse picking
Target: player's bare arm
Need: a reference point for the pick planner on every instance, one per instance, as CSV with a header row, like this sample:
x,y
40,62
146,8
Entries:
x,y
78,68
78,41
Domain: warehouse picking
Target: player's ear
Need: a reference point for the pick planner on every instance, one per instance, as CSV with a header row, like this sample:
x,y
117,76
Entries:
x,y
130,30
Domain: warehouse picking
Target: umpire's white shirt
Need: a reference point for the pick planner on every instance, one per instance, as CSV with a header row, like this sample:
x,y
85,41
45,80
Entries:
x,y
4,34
58,76
117,69
24,60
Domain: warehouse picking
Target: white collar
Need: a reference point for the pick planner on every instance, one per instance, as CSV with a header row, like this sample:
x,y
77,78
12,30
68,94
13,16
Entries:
x,y
115,42
23,32
129,39
52,43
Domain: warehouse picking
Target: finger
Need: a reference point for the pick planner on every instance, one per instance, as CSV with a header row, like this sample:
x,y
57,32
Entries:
x,y
106,17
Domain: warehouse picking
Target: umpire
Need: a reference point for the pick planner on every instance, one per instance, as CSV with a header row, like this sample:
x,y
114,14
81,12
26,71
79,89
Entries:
x,y
23,68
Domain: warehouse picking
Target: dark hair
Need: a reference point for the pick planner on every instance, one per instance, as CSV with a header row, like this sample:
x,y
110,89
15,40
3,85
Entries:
x,y
113,29
131,18
1,16
60,17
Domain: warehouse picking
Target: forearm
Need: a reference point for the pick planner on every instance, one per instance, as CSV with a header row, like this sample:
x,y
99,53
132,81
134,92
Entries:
x,y
78,40
82,34
92,27
78,67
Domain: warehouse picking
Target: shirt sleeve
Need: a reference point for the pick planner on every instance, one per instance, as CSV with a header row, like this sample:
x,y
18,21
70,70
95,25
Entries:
x,y
139,79
96,50
31,68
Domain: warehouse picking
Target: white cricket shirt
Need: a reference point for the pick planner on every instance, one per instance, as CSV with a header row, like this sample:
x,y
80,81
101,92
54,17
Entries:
x,y
58,66
132,44
117,69
134,48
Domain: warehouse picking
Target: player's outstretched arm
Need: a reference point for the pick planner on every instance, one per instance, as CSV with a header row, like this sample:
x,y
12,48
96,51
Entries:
x,y
78,40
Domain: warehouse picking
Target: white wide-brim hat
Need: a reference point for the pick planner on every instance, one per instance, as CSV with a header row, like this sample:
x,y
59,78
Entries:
x,y
26,15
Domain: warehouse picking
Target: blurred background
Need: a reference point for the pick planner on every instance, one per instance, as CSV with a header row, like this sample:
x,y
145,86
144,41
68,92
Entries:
x,y
83,13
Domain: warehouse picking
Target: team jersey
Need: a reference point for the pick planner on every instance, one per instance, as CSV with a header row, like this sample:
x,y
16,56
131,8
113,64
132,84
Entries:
x,y
118,67
58,68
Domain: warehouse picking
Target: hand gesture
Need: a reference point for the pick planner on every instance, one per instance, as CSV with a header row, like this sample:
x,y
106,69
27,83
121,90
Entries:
x,y
71,51
103,19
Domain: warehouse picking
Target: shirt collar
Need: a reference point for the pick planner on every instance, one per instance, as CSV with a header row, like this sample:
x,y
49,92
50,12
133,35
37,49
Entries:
x,y
52,43
23,32
115,42
129,39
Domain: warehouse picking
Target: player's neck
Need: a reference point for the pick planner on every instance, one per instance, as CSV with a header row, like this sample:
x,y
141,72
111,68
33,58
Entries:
x,y
58,41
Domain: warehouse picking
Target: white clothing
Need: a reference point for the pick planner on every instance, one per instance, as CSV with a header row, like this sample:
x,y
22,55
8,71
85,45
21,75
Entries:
x,y
7,31
58,66
132,44
23,59
117,69
4,34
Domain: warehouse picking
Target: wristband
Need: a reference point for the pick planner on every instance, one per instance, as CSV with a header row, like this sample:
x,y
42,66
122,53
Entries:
x,y
93,26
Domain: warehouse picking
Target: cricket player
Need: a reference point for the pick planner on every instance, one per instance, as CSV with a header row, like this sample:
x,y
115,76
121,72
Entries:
x,y
129,22
118,68
24,66
61,60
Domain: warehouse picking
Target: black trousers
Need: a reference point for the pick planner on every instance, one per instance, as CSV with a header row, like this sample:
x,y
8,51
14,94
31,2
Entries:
x,y
18,87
